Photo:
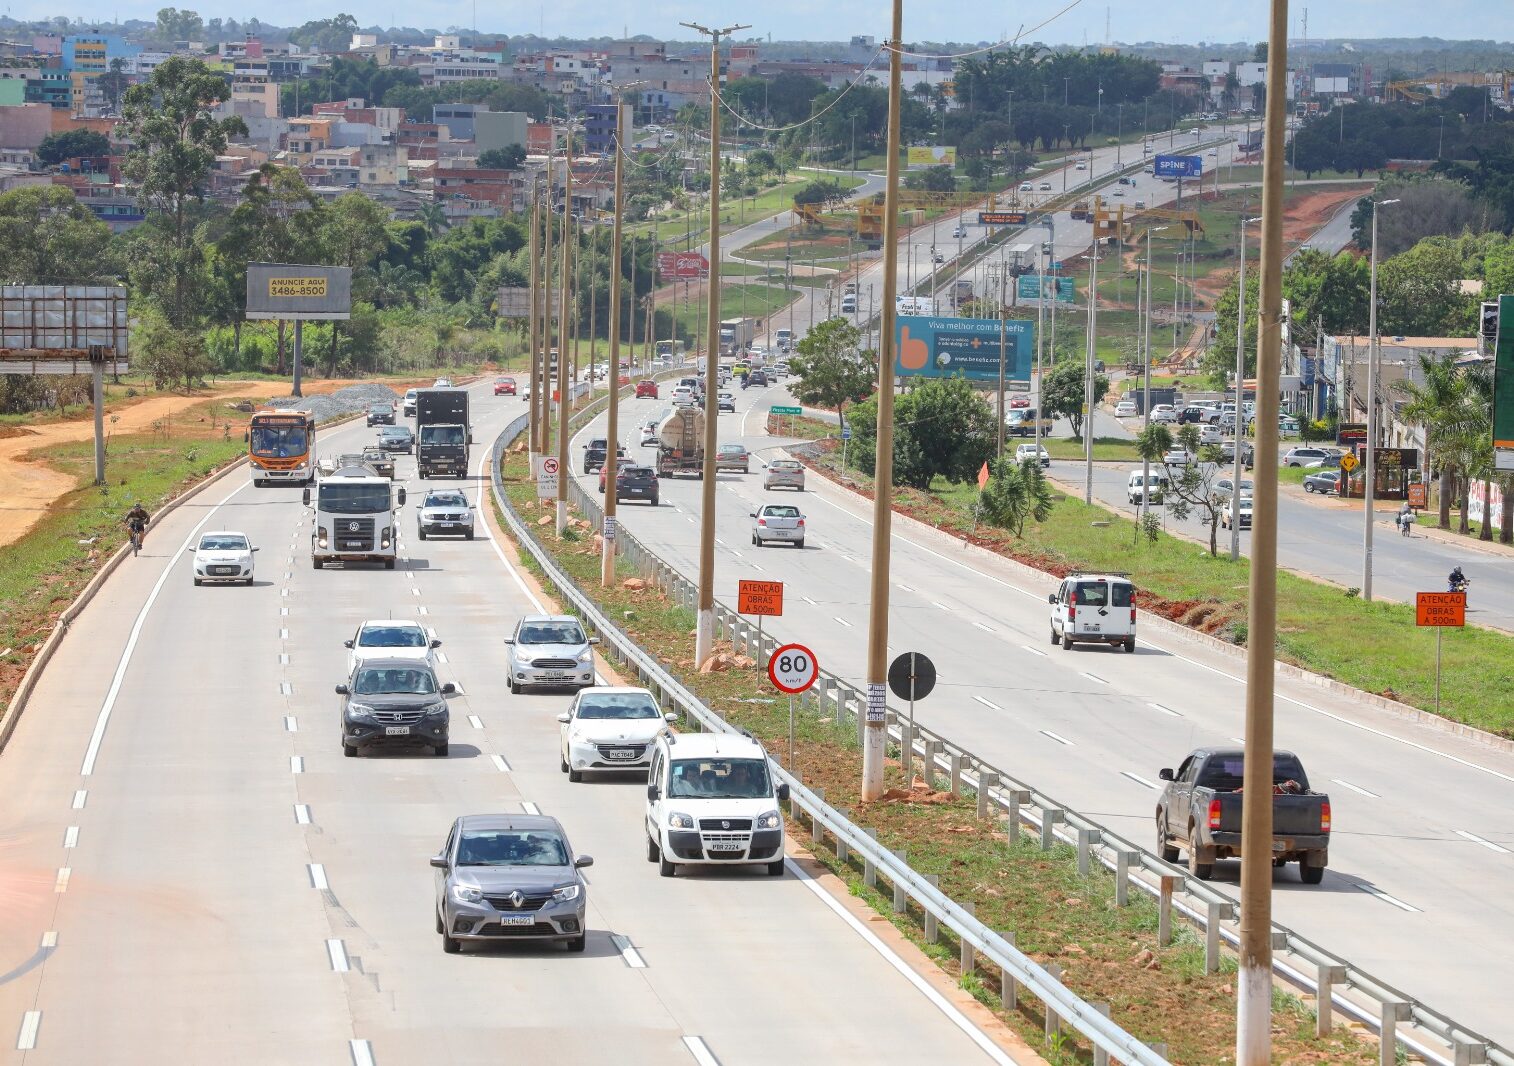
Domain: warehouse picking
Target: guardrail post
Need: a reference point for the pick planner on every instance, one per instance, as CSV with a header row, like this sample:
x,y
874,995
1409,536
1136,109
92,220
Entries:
x,y
1212,936
987,779
794,797
1123,860
1009,988
907,753
1465,1054
1053,1023
1393,1012
870,871
1324,1004
1100,1056
1159,1047
1087,838
1016,797
968,963
843,853
932,929
817,831
932,749
901,898
1164,910
1049,819
956,774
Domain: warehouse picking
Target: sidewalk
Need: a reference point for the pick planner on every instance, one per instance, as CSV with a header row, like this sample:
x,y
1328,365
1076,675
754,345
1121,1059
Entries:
x,y
1387,514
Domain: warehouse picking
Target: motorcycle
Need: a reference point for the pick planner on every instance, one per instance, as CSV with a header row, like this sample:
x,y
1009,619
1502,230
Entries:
x,y
1459,586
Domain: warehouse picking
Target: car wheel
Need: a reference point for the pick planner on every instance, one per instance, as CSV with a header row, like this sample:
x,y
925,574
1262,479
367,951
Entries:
x,y
579,942
775,868
440,928
562,764
468,535
664,867
1164,844
451,945
654,501
439,750
1202,870
388,564
653,852
575,776
1308,487
1055,638
1130,646
1308,873
420,533
1066,642
799,543
512,686
315,563
349,750
198,582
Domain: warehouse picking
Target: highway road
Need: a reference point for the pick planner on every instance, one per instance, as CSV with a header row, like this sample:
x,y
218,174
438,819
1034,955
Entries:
x,y
1424,820
193,872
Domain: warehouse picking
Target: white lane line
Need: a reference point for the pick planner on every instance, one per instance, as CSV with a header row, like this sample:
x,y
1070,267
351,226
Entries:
x,y
283,592
475,721
283,658
50,938
317,876
302,813
1138,779
1238,741
1164,710
61,884
1391,901
689,520
290,725
809,601
1484,843
756,568
843,621
422,609
283,610
943,606
71,836
283,634
529,807
1033,651
362,1052
735,554
26,1040
1054,736
441,657
904,969
336,951
297,764
986,629
510,569
1355,788
720,542
904,588
630,954
700,1050
92,752
990,705
286,688
1094,677
503,767
80,797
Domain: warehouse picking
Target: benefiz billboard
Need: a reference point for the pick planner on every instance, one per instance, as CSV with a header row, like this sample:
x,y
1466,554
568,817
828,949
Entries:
x,y
1178,166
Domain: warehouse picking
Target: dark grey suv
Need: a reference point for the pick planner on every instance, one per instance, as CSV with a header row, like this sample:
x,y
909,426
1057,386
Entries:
x,y
388,701
509,877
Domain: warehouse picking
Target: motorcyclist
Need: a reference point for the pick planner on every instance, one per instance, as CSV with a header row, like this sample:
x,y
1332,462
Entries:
x,y
1457,581
137,519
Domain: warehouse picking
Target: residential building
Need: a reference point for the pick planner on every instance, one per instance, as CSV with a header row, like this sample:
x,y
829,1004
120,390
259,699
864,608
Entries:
x,y
251,83
499,129
453,67
458,118
308,135
600,123
25,126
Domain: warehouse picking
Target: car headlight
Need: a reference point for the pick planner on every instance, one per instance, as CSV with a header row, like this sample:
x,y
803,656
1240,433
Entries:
x,y
566,894
680,821
770,820
586,656
358,710
438,708
467,893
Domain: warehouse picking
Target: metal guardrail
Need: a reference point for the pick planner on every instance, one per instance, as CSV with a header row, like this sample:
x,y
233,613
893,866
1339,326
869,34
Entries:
x,y
1106,1036
1212,912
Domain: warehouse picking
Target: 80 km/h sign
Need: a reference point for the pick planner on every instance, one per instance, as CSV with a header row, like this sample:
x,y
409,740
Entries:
x,y
793,668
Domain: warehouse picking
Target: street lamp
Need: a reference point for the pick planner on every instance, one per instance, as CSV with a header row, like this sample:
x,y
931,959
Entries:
x,y
1240,377
1369,469
1146,376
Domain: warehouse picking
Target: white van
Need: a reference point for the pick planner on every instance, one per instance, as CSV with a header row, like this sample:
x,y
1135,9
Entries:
x,y
1135,485
711,801
1093,609
849,304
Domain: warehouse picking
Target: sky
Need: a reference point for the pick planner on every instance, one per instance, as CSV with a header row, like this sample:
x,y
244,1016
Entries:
x,y
961,20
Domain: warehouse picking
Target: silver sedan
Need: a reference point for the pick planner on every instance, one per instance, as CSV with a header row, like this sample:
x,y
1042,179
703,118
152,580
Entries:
x,y
784,474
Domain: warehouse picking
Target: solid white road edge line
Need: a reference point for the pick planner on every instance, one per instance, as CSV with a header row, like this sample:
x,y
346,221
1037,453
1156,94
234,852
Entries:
x,y
953,1014
700,1050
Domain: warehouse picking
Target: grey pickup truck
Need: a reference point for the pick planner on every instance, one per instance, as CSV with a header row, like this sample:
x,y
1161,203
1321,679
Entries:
x,y
1200,813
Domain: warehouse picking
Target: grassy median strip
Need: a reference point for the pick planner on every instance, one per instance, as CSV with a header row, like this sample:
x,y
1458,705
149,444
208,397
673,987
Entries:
x,y
1107,953
1373,646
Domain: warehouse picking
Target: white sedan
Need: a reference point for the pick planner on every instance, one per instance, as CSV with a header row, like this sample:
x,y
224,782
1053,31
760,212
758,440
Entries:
x,y
609,729
1125,409
387,638
223,556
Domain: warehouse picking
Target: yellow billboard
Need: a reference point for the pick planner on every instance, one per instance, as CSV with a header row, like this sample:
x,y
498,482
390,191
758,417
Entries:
x,y
932,155
307,287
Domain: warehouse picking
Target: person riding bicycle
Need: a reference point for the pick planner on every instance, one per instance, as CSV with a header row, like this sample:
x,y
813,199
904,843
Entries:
x,y
136,521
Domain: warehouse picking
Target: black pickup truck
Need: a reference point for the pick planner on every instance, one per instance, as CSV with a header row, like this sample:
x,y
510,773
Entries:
x,y
1200,813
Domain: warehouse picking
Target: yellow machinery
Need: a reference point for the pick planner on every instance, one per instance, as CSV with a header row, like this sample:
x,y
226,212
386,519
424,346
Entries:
x,y
1118,224
1418,90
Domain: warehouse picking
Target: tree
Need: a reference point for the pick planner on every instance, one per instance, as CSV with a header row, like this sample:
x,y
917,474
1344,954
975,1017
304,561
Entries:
x,y
432,216
1427,208
932,179
50,238
175,139
326,35
831,372
1324,292
510,157
1063,394
174,357
1015,494
1420,292
176,25
1443,407
942,428
71,144
1189,488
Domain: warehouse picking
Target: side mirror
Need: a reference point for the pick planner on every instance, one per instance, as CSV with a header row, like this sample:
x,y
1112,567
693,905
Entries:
x,y
751,514
593,640
436,644
652,792
305,498
1052,599
783,793
402,497
342,690
346,643
1165,774
439,862
671,716
565,718
449,689
582,861
257,549
247,436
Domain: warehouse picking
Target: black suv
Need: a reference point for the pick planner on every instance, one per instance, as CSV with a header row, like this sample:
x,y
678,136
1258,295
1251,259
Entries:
x,y
595,452
394,701
636,483
757,377
381,414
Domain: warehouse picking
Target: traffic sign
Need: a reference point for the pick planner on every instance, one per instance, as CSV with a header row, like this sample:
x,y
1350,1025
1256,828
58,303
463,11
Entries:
x,y
911,676
785,410
1440,609
793,669
1001,218
759,597
1349,462
846,432
1417,495
545,472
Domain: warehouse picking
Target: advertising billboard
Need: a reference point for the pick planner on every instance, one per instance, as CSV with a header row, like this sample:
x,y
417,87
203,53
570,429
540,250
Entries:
x,y
682,266
931,155
928,346
1029,286
298,290
1503,386
1178,166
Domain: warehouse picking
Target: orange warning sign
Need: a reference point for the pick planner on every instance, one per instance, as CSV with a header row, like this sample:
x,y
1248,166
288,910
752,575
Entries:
x,y
1440,608
759,597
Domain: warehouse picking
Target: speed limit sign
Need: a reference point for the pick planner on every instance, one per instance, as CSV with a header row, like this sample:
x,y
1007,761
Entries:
x,y
793,668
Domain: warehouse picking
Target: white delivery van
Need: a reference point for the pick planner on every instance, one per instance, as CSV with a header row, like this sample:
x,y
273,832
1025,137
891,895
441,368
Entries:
x,y
711,801
1093,609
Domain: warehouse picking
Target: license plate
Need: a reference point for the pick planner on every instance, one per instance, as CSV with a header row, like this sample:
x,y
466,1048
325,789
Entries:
x,y
1279,845
727,847
445,525
397,731
1093,627
518,919
620,754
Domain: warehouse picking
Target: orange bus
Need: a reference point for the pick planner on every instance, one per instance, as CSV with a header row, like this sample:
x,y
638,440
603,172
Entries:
x,y
281,447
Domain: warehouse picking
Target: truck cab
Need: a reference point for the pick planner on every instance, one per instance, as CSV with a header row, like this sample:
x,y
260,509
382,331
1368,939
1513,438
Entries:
x,y
442,432
355,518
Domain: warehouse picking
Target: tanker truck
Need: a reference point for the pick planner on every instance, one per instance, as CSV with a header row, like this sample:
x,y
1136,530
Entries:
x,y
680,443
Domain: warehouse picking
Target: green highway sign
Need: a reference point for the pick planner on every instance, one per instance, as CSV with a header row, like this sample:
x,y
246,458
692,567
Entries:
x,y
786,410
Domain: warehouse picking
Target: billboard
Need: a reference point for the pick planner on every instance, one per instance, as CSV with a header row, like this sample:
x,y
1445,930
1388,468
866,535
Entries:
x,y
931,155
1029,286
298,290
52,329
927,346
1503,386
1178,166
682,266
1001,218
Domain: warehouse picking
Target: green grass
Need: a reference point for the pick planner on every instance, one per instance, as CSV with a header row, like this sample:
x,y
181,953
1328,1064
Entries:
x,y
749,300
734,212
1115,448
1253,173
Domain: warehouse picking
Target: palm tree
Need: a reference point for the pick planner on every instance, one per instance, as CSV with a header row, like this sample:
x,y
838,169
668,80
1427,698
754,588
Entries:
x,y
1440,408
434,217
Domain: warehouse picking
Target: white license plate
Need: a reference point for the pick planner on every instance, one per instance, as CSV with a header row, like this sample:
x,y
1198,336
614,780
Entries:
x,y
620,755
445,525
1092,627
397,731
1279,845
518,919
727,847
557,677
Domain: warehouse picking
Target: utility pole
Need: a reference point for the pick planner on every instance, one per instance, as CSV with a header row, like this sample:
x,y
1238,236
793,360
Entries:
x,y
875,737
1049,250
1146,385
563,408
533,338
1369,468
704,633
541,388
1240,417
1093,327
1253,1031
612,447
1003,328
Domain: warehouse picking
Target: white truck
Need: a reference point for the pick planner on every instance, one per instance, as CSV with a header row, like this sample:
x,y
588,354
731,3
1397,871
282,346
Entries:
x,y
736,334
355,517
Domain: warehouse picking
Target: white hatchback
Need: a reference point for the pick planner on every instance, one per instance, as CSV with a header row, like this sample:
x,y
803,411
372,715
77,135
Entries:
x,y
609,729
1032,453
1125,409
223,556
386,638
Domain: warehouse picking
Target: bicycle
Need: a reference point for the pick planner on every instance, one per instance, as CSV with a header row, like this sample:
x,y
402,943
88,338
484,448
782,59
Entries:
x,y
136,539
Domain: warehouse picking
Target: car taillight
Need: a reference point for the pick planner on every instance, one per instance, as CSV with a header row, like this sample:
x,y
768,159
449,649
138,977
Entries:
x,y
762,521
801,523
1132,616
1324,817
1072,613
1214,814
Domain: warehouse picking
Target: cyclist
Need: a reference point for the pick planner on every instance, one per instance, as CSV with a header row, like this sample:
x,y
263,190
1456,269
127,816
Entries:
x,y
136,522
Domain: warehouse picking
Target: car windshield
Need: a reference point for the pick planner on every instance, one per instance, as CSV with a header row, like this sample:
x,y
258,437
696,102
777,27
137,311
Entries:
x,y
781,512
622,706
391,637
394,680
223,542
784,464
279,442
336,498
1225,773
441,434
511,847
719,779
732,449
394,431
551,633
446,499
382,408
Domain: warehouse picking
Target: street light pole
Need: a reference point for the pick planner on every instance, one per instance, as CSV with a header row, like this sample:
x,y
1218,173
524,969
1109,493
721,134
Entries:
x,y
1093,326
1146,384
612,445
704,634
1369,468
1240,421
533,325
875,737
563,408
